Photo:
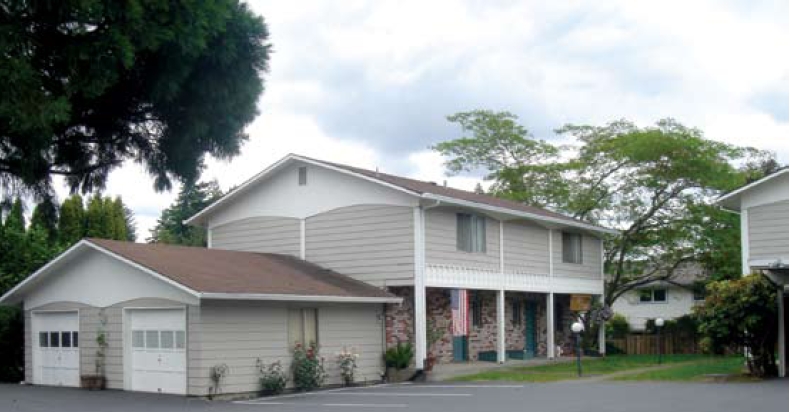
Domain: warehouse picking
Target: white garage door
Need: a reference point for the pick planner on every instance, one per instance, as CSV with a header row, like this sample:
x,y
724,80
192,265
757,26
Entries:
x,y
158,350
56,348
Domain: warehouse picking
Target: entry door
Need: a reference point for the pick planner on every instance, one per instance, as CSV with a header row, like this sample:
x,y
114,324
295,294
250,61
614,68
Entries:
x,y
158,350
56,349
530,329
460,348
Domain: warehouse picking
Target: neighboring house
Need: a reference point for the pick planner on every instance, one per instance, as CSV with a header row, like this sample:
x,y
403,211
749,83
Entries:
x,y
667,299
394,251
763,206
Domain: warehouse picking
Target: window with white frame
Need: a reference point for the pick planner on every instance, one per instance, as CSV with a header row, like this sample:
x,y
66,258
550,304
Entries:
x,y
571,247
471,233
302,326
658,295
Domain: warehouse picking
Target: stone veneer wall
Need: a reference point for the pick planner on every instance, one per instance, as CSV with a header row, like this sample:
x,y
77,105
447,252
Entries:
x,y
563,336
399,318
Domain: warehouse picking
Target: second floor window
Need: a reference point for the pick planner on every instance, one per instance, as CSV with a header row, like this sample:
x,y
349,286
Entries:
x,y
571,247
471,233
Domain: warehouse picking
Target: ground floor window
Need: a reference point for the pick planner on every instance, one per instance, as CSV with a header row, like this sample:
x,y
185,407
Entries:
x,y
303,326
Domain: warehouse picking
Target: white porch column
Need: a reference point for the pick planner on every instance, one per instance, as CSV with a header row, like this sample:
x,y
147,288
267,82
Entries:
x,y
550,325
420,317
500,317
782,341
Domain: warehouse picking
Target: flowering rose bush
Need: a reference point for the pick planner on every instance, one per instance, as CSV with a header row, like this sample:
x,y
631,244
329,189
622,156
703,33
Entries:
x,y
347,360
308,367
273,377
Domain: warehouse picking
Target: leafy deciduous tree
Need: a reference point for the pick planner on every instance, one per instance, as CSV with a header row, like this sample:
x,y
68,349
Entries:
x,y
650,182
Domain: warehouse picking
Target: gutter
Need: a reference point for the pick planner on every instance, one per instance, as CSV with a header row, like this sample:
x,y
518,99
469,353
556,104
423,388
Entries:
x,y
512,212
298,298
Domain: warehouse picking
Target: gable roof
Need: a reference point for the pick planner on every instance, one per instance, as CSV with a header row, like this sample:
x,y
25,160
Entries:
x,y
731,199
223,274
418,188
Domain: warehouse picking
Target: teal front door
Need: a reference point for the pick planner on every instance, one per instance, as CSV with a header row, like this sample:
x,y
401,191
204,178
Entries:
x,y
530,329
460,348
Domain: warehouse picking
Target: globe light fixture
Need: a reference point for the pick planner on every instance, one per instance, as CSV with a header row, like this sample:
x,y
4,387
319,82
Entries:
x,y
577,328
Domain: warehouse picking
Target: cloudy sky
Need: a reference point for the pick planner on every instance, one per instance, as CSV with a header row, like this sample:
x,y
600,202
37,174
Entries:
x,y
370,82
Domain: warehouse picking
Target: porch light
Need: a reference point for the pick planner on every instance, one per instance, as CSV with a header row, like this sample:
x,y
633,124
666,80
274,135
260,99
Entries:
x,y
577,328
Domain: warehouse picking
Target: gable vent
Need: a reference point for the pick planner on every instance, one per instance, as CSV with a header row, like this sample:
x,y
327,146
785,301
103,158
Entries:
x,y
303,176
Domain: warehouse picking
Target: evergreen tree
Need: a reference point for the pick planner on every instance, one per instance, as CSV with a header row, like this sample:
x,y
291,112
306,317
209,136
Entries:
x,y
15,221
131,224
191,199
117,218
45,218
71,226
97,218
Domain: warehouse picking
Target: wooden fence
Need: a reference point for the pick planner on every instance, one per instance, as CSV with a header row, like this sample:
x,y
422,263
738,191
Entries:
x,y
646,344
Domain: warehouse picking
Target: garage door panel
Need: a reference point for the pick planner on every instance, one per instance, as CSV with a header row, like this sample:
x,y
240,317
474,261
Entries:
x,y
56,353
158,350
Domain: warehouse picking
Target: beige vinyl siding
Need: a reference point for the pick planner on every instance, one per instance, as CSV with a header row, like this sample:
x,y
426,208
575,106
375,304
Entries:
x,y
259,234
358,328
238,333
441,242
89,321
591,258
768,237
371,243
526,248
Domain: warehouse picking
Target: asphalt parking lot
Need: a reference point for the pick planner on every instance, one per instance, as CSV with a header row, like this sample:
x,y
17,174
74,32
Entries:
x,y
551,397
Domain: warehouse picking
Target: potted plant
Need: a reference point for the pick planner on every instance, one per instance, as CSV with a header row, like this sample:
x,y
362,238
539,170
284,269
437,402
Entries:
x,y
398,362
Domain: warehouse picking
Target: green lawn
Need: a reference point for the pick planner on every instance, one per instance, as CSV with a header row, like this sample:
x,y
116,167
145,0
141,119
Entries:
x,y
695,371
590,366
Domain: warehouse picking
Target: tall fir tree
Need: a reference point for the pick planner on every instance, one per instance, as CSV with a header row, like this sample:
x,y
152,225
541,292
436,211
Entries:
x,y
71,226
15,221
45,218
97,218
192,198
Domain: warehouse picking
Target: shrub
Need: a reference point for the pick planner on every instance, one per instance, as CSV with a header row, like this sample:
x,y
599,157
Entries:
x,y
400,356
347,360
617,327
12,344
273,377
308,367
742,313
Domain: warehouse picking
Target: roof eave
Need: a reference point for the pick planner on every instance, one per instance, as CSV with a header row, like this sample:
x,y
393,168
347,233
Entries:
x,y
299,298
726,198
518,213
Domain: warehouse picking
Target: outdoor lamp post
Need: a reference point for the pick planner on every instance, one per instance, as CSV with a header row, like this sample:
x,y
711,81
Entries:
x,y
659,325
577,328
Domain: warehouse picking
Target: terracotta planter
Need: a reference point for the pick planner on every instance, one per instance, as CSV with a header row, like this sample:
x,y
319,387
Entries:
x,y
93,382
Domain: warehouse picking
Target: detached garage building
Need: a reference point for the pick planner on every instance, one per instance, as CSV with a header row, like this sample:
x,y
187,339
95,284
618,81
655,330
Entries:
x,y
171,313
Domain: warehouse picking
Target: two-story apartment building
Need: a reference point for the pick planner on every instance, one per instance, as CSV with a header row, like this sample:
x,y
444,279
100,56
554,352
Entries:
x,y
764,207
312,251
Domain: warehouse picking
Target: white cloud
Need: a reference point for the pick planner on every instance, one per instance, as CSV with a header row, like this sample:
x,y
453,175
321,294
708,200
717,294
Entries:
x,y
368,83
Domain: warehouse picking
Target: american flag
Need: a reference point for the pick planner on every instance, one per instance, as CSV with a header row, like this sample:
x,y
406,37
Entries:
x,y
459,303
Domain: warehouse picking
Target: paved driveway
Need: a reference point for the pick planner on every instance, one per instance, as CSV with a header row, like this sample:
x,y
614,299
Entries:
x,y
551,397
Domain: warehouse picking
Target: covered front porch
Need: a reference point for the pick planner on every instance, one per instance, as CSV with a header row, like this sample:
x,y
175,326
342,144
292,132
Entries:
x,y
500,325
